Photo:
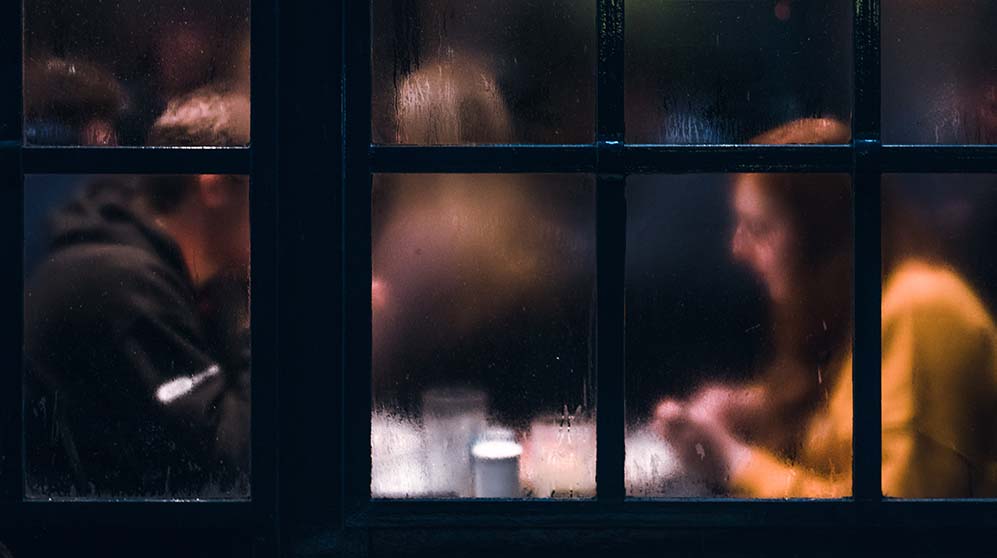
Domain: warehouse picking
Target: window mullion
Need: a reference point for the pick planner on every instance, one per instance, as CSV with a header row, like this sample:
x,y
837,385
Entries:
x,y
356,250
11,193
611,224
867,381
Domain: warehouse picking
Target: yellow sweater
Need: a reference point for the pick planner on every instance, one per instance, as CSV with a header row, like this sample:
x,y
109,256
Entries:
x,y
939,418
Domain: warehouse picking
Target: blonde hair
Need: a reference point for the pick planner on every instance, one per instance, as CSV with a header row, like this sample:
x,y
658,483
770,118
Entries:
x,y
451,102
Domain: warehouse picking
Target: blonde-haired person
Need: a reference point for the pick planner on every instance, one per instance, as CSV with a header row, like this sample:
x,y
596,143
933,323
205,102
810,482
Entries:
x,y
790,433
451,101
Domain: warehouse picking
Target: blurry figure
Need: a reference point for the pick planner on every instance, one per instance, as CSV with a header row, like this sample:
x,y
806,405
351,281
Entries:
x,y
153,50
137,342
466,250
137,339
464,265
451,102
211,115
939,360
70,101
538,58
433,227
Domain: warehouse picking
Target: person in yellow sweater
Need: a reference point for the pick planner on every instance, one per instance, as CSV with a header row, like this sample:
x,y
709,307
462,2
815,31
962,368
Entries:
x,y
789,434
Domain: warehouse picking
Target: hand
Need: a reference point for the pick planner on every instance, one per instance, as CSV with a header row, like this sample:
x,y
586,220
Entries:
x,y
737,408
705,447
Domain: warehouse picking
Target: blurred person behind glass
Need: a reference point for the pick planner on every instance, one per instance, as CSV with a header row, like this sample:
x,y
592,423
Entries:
x,y
939,358
469,250
155,51
137,340
71,101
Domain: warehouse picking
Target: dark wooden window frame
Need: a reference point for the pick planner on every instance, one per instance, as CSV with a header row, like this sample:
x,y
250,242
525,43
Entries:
x,y
203,524
311,163
370,525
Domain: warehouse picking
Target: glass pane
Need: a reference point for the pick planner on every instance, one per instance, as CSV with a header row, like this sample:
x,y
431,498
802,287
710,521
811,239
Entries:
x,y
723,71
139,72
738,348
458,72
136,336
483,301
939,71
939,339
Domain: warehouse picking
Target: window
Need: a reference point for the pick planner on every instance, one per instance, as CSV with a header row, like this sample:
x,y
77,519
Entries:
x,y
692,99
725,71
718,279
137,336
950,42
124,149
568,125
482,289
142,73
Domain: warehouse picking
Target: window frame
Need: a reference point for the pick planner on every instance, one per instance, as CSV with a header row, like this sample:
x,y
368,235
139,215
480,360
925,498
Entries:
x,y
205,523
311,133
366,522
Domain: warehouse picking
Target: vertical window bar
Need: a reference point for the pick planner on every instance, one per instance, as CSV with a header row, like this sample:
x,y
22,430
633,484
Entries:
x,y
263,207
356,183
310,272
611,225
11,181
867,381
866,125
10,61
11,307
611,219
609,87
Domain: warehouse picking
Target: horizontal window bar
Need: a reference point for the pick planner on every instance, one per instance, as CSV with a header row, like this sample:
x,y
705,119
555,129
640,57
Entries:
x,y
674,513
132,513
610,158
136,160
736,158
938,158
679,513
483,158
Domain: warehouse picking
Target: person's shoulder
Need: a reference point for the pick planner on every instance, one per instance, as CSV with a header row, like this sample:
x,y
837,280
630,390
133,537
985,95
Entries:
x,y
110,273
933,293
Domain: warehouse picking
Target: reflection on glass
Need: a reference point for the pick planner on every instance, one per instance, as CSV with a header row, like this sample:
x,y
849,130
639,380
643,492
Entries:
x,y
136,336
939,339
453,72
722,71
739,333
144,72
482,299
953,43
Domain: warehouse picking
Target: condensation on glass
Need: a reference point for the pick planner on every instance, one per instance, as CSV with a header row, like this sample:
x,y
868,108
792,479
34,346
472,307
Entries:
x,y
939,71
939,341
738,336
136,336
136,72
723,71
459,72
482,298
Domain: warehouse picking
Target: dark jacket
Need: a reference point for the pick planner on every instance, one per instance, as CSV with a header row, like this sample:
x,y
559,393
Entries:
x,y
136,383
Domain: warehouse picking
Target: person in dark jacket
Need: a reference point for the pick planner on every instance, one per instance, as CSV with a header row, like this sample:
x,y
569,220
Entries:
x,y
136,342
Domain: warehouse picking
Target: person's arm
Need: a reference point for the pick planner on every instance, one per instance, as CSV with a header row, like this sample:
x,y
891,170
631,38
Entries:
x,y
763,475
193,394
938,361
708,448
199,397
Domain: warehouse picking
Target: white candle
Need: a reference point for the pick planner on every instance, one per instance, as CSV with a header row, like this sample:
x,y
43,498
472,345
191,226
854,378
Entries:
x,y
496,468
